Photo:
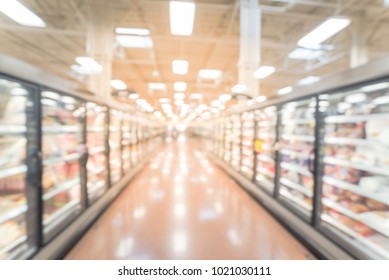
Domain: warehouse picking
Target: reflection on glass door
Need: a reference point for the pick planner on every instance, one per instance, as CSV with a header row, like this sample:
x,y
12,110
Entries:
x,y
62,122
17,144
355,202
266,133
96,143
297,154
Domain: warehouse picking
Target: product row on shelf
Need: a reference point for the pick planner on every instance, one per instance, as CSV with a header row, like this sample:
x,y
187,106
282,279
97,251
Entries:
x,y
325,158
58,155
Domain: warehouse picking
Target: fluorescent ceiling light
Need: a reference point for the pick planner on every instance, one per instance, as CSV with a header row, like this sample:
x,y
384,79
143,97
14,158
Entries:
x,y
132,31
224,97
210,74
85,61
118,84
180,67
134,96
239,88
87,65
381,100
157,86
375,87
355,98
182,17
285,90
19,13
179,102
164,100
261,99
215,103
141,102
180,86
158,114
305,54
324,31
308,80
179,95
134,41
264,71
196,96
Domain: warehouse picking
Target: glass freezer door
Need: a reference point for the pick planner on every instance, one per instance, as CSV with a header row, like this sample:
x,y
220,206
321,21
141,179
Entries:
x,y
126,143
247,167
115,147
18,179
97,151
297,141
236,142
62,149
355,184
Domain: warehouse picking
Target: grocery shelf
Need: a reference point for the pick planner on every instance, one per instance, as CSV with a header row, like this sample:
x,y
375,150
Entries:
x,y
266,172
296,200
97,171
266,124
9,247
356,118
248,143
293,153
61,129
13,171
61,214
363,240
347,212
367,168
53,161
300,188
295,137
96,150
296,168
60,188
298,121
265,158
353,141
356,189
265,136
95,129
9,215
12,129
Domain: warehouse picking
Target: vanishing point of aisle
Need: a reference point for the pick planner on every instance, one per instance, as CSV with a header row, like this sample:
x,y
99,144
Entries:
x,y
182,206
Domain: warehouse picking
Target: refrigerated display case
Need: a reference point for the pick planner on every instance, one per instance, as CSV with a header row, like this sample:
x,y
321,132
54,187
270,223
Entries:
x,y
220,139
134,142
297,147
115,147
355,181
126,143
97,165
265,148
228,140
18,169
236,142
247,161
63,150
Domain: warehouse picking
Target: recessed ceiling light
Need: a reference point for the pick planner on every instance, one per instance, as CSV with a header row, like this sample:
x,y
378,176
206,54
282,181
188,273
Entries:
x,y
215,103
285,90
141,102
182,17
225,97
131,41
308,80
132,31
19,13
239,88
157,86
134,96
180,67
261,98
118,84
264,71
158,114
210,74
179,95
180,86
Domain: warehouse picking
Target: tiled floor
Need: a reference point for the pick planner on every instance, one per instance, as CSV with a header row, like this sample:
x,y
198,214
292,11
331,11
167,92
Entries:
x,y
182,206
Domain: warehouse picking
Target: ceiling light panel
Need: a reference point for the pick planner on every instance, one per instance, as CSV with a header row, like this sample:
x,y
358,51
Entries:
x,y
324,31
180,86
118,84
285,90
19,13
264,71
180,67
182,16
132,31
308,80
305,54
157,86
210,74
131,41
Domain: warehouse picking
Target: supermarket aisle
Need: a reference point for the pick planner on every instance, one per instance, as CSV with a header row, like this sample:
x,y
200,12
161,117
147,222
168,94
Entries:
x,y
181,206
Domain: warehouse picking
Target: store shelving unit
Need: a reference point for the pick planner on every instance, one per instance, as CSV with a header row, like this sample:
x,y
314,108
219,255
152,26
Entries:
x,y
115,145
247,140
228,140
236,135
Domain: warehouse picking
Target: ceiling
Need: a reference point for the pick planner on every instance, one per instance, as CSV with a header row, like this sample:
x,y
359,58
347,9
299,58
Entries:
x,y
214,43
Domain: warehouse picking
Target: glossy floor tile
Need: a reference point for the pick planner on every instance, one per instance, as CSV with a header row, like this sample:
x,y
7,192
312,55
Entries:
x,y
182,206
